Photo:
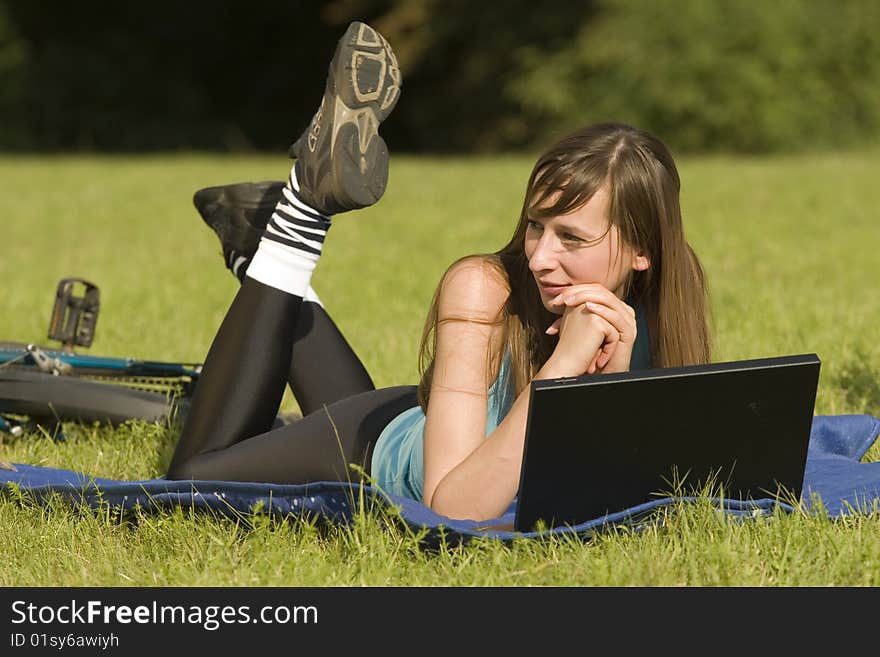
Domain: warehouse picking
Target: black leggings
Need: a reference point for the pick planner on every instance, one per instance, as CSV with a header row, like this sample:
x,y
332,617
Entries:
x,y
266,338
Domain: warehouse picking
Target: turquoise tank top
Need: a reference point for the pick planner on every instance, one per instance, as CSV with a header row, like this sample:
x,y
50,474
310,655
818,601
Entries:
x,y
398,463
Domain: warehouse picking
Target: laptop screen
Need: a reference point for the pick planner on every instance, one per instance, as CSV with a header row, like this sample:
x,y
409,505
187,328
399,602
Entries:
x,y
599,444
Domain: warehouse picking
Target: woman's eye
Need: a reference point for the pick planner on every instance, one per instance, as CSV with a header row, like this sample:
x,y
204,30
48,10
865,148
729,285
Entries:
x,y
531,224
568,237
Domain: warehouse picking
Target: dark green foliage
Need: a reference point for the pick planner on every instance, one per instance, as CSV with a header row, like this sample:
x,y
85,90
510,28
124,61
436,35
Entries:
x,y
732,75
461,64
220,75
735,75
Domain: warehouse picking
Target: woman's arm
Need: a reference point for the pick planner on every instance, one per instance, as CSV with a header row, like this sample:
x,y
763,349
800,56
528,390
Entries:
x,y
472,296
466,475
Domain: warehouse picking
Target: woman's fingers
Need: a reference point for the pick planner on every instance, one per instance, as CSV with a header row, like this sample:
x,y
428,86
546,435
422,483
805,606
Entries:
x,y
609,344
602,357
625,326
593,292
553,329
575,294
601,301
609,330
610,301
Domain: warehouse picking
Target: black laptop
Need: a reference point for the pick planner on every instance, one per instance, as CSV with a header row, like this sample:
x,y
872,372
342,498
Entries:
x,y
598,444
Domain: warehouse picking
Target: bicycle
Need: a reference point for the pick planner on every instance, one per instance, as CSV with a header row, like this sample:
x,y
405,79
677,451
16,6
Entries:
x,y
44,386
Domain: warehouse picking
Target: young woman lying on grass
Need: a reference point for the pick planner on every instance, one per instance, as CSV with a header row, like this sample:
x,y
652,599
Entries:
x,y
596,278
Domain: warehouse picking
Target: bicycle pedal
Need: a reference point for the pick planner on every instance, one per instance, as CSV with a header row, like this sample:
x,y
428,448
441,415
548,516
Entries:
x,y
74,316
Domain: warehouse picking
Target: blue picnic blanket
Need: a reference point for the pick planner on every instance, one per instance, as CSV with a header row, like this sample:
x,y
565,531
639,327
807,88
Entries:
x,y
835,482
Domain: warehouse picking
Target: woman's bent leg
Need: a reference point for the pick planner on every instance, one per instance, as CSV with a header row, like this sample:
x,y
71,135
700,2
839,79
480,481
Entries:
x,y
244,373
319,447
323,367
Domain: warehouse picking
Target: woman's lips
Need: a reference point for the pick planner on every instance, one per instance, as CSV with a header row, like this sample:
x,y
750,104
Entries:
x,y
551,290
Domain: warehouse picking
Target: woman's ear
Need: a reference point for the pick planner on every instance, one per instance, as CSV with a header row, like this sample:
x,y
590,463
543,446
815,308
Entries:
x,y
640,262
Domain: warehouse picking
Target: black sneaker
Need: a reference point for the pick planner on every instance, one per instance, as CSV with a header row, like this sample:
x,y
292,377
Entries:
x,y
238,214
342,162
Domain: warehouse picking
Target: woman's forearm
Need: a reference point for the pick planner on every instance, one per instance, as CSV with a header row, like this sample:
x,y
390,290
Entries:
x,y
483,485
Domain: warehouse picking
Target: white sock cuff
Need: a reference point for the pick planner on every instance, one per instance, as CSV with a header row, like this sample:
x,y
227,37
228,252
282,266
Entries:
x,y
282,268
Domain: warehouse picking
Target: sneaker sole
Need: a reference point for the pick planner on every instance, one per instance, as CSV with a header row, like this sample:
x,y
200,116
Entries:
x,y
238,230
365,88
244,195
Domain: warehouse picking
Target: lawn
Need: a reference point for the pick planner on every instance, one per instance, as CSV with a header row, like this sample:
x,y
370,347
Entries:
x,y
788,243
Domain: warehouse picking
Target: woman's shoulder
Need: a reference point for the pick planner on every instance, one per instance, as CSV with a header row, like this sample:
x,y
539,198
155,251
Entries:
x,y
475,286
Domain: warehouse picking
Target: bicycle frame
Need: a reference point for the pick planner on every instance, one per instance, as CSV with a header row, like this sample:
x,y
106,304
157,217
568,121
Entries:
x,y
29,355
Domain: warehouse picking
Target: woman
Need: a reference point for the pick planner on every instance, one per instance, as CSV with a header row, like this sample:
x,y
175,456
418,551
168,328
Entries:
x,y
597,278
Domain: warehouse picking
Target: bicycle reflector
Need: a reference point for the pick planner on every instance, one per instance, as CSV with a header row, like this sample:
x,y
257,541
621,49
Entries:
x,y
75,313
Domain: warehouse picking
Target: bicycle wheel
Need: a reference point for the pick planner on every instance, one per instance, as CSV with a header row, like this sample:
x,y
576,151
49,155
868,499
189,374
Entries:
x,y
95,388
64,398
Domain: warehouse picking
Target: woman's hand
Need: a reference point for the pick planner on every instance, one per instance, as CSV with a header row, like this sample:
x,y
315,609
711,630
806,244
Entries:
x,y
594,299
584,337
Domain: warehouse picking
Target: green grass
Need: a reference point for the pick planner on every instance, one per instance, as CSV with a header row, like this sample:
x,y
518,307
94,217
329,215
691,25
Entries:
x,y
789,246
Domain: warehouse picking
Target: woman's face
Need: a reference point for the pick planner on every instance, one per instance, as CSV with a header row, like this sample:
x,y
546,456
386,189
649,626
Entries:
x,y
578,248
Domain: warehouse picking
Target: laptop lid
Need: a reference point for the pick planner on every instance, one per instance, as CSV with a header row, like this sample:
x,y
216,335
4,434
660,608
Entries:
x,y
598,444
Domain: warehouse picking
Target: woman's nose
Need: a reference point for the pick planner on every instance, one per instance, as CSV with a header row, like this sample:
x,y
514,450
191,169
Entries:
x,y
544,256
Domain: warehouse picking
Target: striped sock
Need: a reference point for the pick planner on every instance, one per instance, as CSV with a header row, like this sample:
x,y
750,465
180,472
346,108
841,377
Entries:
x,y
291,244
238,264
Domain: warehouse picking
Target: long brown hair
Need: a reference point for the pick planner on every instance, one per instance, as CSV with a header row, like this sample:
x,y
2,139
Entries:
x,y
644,191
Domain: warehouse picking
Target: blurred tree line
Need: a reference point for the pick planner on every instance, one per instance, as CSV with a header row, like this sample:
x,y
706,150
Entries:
x,y
737,75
